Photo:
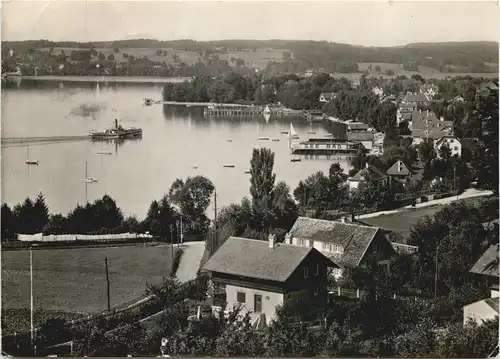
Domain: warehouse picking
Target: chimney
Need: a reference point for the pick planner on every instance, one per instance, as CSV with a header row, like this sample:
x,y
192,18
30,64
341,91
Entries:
x,y
272,241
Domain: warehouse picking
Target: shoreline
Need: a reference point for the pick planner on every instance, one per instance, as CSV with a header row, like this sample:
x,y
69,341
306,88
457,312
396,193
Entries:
x,y
107,79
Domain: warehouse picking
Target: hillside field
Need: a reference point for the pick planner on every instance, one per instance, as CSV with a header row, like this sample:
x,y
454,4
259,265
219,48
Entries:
x,y
258,59
74,280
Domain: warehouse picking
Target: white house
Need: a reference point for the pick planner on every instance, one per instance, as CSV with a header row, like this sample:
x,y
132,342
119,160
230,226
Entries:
x,y
452,142
359,180
430,90
325,97
378,91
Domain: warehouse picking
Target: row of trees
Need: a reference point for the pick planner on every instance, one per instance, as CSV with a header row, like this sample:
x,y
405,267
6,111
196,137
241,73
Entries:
x,y
187,198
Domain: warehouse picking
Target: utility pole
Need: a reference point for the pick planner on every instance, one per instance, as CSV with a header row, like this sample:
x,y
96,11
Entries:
x,y
436,272
172,240
107,282
182,232
33,344
214,241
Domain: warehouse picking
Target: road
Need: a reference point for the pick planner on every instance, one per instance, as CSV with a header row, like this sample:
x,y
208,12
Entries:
x,y
468,193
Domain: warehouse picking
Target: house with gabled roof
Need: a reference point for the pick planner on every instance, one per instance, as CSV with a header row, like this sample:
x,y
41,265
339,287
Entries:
x,y
368,173
347,244
399,171
416,99
430,90
260,275
453,142
486,267
426,125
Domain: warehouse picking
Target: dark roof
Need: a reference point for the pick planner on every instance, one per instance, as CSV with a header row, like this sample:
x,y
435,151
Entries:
x,y
360,136
485,265
398,169
254,259
493,303
470,143
415,97
433,133
354,238
371,171
425,87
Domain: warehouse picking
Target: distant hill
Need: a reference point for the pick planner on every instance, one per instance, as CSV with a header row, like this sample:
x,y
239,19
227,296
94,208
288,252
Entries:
x,y
443,56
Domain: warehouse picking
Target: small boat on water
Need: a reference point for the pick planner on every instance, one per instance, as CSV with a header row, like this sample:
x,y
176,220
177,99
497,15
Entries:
x,y
293,134
296,159
104,153
263,138
88,179
248,172
228,166
311,133
275,139
284,132
328,135
117,132
31,162
148,101
229,140
195,167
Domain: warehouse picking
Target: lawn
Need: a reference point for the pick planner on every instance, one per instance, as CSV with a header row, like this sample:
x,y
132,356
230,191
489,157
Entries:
x,y
74,280
402,222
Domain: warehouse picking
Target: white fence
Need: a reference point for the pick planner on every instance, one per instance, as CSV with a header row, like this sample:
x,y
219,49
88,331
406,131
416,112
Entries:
x,y
39,237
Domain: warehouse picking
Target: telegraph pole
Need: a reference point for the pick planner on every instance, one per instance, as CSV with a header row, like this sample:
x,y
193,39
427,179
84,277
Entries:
x,y
107,282
214,239
172,240
436,272
182,233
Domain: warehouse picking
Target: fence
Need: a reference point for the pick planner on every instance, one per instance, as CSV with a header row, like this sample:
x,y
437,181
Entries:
x,y
39,237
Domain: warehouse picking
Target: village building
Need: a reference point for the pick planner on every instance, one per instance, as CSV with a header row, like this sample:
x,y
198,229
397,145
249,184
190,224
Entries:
x,y
368,173
260,275
429,90
453,142
404,113
378,91
365,137
399,171
416,99
349,245
425,125
325,97
486,267
357,127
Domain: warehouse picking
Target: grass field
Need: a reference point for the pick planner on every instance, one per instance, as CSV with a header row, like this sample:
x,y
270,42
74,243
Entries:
x,y
403,221
74,280
258,59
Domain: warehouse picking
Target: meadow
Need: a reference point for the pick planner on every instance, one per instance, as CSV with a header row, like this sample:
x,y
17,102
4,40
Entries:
x,y
74,280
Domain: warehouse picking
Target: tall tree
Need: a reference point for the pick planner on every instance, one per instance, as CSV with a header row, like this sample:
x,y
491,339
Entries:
x,y
8,222
262,177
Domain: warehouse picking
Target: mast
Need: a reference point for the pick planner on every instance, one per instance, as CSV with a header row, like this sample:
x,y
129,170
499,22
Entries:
x,y
31,300
107,282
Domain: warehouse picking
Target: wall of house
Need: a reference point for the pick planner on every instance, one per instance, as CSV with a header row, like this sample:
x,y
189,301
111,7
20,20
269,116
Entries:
x,y
353,185
454,145
478,312
270,300
495,293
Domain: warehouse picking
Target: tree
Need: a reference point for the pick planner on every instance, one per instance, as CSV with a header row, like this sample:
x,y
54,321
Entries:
x,y
8,222
378,69
25,216
111,57
41,213
159,52
116,50
284,207
389,72
56,225
262,177
101,56
193,198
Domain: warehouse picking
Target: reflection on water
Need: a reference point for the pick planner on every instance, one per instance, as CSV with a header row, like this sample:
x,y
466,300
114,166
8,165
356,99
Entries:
x,y
177,142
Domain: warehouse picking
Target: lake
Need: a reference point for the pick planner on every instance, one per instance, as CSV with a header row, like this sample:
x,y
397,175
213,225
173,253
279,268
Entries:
x,y
175,141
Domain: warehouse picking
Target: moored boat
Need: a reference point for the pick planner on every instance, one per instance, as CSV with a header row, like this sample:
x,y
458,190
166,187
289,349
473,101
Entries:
x,y
293,134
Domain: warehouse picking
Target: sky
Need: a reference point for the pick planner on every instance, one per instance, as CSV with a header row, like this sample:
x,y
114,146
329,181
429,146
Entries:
x,y
367,23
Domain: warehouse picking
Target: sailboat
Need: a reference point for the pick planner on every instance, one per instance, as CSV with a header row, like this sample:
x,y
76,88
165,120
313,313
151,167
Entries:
x,y
88,179
267,110
101,152
293,134
31,162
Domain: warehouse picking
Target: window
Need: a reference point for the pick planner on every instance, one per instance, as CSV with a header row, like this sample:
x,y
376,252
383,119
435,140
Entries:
x,y
336,248
336,272
317,269
317,146
240,297
257,305
375,248
302,242
306,272
455,148
325,246
316,291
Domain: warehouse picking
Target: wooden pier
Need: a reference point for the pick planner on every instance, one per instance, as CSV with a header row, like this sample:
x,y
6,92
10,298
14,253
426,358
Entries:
x,y
233,111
